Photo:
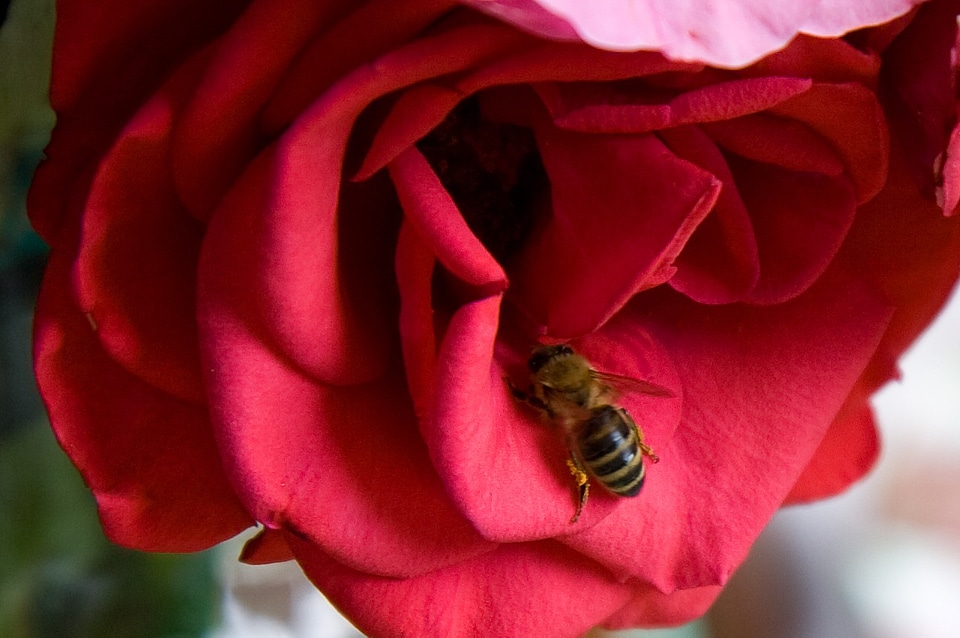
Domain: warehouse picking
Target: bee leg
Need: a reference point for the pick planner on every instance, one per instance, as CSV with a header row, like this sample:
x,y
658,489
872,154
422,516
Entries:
x,y
583,484
648,451
645,449
528,397
518,394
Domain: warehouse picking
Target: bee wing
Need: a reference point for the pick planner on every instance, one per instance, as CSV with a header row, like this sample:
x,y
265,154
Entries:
x,y
630,384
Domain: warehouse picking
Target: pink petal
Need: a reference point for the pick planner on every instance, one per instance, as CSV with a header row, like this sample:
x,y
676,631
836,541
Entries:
x,y
149,458
533,589
951,175
730,34
611,233
136,270
836,17
761,387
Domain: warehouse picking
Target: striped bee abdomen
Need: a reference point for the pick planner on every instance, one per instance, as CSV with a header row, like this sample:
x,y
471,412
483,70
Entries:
x,y
608,446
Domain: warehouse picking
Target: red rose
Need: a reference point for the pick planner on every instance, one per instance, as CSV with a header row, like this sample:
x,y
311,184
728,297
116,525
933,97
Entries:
x,y
297,248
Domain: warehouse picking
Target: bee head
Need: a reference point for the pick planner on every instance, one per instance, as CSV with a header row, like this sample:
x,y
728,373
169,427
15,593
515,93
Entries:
x,y
544,354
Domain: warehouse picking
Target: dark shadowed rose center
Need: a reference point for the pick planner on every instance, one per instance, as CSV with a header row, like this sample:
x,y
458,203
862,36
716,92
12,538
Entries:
x,y
493,172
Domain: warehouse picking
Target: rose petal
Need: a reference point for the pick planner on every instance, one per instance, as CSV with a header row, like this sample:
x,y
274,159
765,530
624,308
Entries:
x,y
849,117
430,209
719,264
149,458
904,243
693,30
834,61
502,464
552,62
415,269
246,64
333,325
836,17
951,175
268,546
612,233
355,43
101,75
417,112
651,608
136,271
334,464
800,220
421,109
776,140
917,89
251,73
501,593
605,109
846,454
761,386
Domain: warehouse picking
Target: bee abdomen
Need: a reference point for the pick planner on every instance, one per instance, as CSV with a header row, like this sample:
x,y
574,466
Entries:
x,y
608,447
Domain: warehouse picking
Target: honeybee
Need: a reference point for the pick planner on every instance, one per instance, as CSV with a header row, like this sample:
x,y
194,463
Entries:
x,y
602,438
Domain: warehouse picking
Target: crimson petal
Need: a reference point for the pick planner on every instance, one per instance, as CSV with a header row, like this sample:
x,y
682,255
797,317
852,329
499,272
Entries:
x,y
149,458
612,233
101,75
847,451
761,388
498,594
136,270
334,464
720,263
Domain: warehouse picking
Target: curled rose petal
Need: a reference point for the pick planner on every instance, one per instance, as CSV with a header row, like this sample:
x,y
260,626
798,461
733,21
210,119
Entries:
x,y
135,271
273,458
455,601
152,464
606,240
720,263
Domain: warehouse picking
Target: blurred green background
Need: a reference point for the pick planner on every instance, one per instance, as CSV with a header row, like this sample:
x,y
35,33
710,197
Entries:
x,y
59,576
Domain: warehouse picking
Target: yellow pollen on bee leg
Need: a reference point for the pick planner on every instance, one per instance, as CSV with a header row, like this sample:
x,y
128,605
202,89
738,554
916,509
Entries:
x,y
579,475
